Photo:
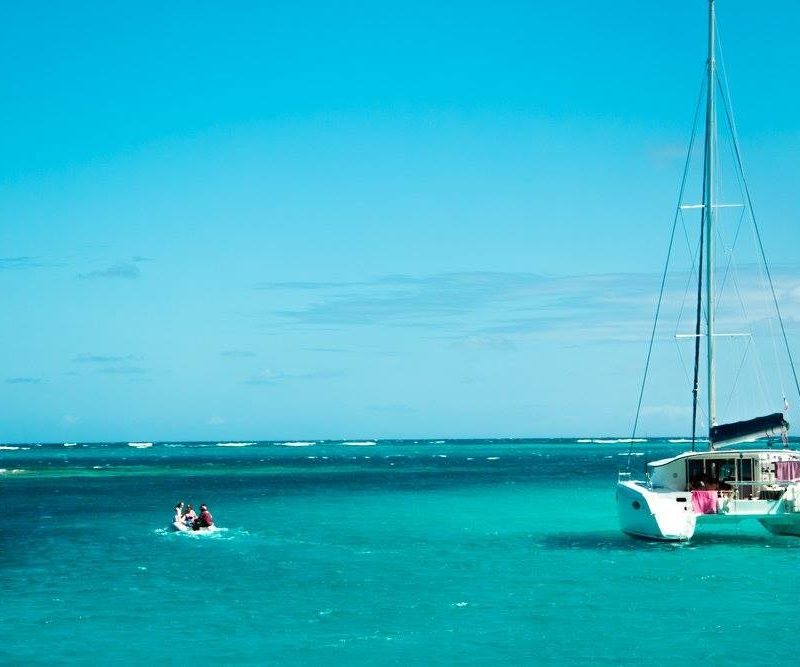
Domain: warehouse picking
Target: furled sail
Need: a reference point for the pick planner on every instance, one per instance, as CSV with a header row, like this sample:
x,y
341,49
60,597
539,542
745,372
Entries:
x,y
749,429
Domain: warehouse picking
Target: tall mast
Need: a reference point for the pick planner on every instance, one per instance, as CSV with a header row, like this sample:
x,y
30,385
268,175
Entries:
x,y
709,211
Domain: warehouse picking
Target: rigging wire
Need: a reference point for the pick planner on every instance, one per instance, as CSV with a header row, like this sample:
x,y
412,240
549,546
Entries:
x,y
692,253
678,214
737,152
738,374
732,143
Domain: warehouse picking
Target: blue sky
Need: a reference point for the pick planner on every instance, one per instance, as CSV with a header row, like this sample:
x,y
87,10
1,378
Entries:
x,y
352,219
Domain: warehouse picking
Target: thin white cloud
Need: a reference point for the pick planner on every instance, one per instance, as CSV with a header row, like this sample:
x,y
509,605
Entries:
x,y
88,358
666,154
668,411
475,308
269,377
492,309
112,364
9,263
124,370
486,342
390,408
124,271
238,354
23,380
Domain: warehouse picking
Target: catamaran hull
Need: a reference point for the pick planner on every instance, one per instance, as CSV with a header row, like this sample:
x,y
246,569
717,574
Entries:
x,y
655,516
659,513
782,525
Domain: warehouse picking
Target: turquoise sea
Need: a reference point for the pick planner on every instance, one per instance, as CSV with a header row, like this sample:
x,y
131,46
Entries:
x,y
370,553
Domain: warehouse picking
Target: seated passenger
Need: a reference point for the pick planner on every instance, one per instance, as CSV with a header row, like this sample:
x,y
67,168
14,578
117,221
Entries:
x,y
178,513
189,515
205,520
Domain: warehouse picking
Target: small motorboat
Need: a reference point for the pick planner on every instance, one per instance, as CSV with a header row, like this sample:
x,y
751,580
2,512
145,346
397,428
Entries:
x,y
181,527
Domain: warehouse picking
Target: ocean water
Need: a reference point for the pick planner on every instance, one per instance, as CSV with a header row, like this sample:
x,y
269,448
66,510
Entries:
x,y
370,553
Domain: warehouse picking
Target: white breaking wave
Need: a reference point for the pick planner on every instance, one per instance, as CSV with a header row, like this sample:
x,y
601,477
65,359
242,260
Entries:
x,y
584,440
297,443
13,471
235,444
360,443
9,448
70,444
140,445
492,458
613,441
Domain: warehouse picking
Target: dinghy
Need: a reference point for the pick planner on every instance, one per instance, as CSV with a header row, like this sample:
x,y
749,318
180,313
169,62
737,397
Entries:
x,y
181,527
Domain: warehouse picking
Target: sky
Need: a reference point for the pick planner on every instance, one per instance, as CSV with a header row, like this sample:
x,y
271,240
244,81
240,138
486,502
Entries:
x,y
268,220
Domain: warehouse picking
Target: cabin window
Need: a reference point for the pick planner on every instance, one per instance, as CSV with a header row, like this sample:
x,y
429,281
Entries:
x,y
745,474
696,473
710,474
721,469
745,469
718,474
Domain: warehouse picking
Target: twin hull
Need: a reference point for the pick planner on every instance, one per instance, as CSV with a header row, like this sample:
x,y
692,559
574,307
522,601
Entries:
x,y
655,515
734,486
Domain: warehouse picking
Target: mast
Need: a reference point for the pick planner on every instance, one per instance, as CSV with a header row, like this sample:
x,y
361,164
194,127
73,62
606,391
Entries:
x,y
709,211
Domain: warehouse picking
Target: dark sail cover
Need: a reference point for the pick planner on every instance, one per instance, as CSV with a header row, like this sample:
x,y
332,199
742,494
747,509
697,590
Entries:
x,y
749,429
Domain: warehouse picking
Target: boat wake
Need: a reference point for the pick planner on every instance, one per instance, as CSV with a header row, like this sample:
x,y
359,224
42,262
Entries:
x,y
207,533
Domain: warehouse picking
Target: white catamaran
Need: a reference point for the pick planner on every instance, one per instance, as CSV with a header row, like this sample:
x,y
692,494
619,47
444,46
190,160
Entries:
x,y
716,486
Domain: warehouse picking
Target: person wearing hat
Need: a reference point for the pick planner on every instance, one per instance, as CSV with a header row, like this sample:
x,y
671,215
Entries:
x,y
205,520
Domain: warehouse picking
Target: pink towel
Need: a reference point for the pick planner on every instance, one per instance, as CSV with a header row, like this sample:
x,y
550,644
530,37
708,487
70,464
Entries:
x,y
786,471
704,502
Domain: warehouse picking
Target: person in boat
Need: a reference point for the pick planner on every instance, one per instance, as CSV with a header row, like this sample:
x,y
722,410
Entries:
x,y
703,483
205,520
178,518
189,515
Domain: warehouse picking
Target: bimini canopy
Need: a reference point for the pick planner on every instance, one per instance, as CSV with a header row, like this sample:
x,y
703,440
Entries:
x,y
750,429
